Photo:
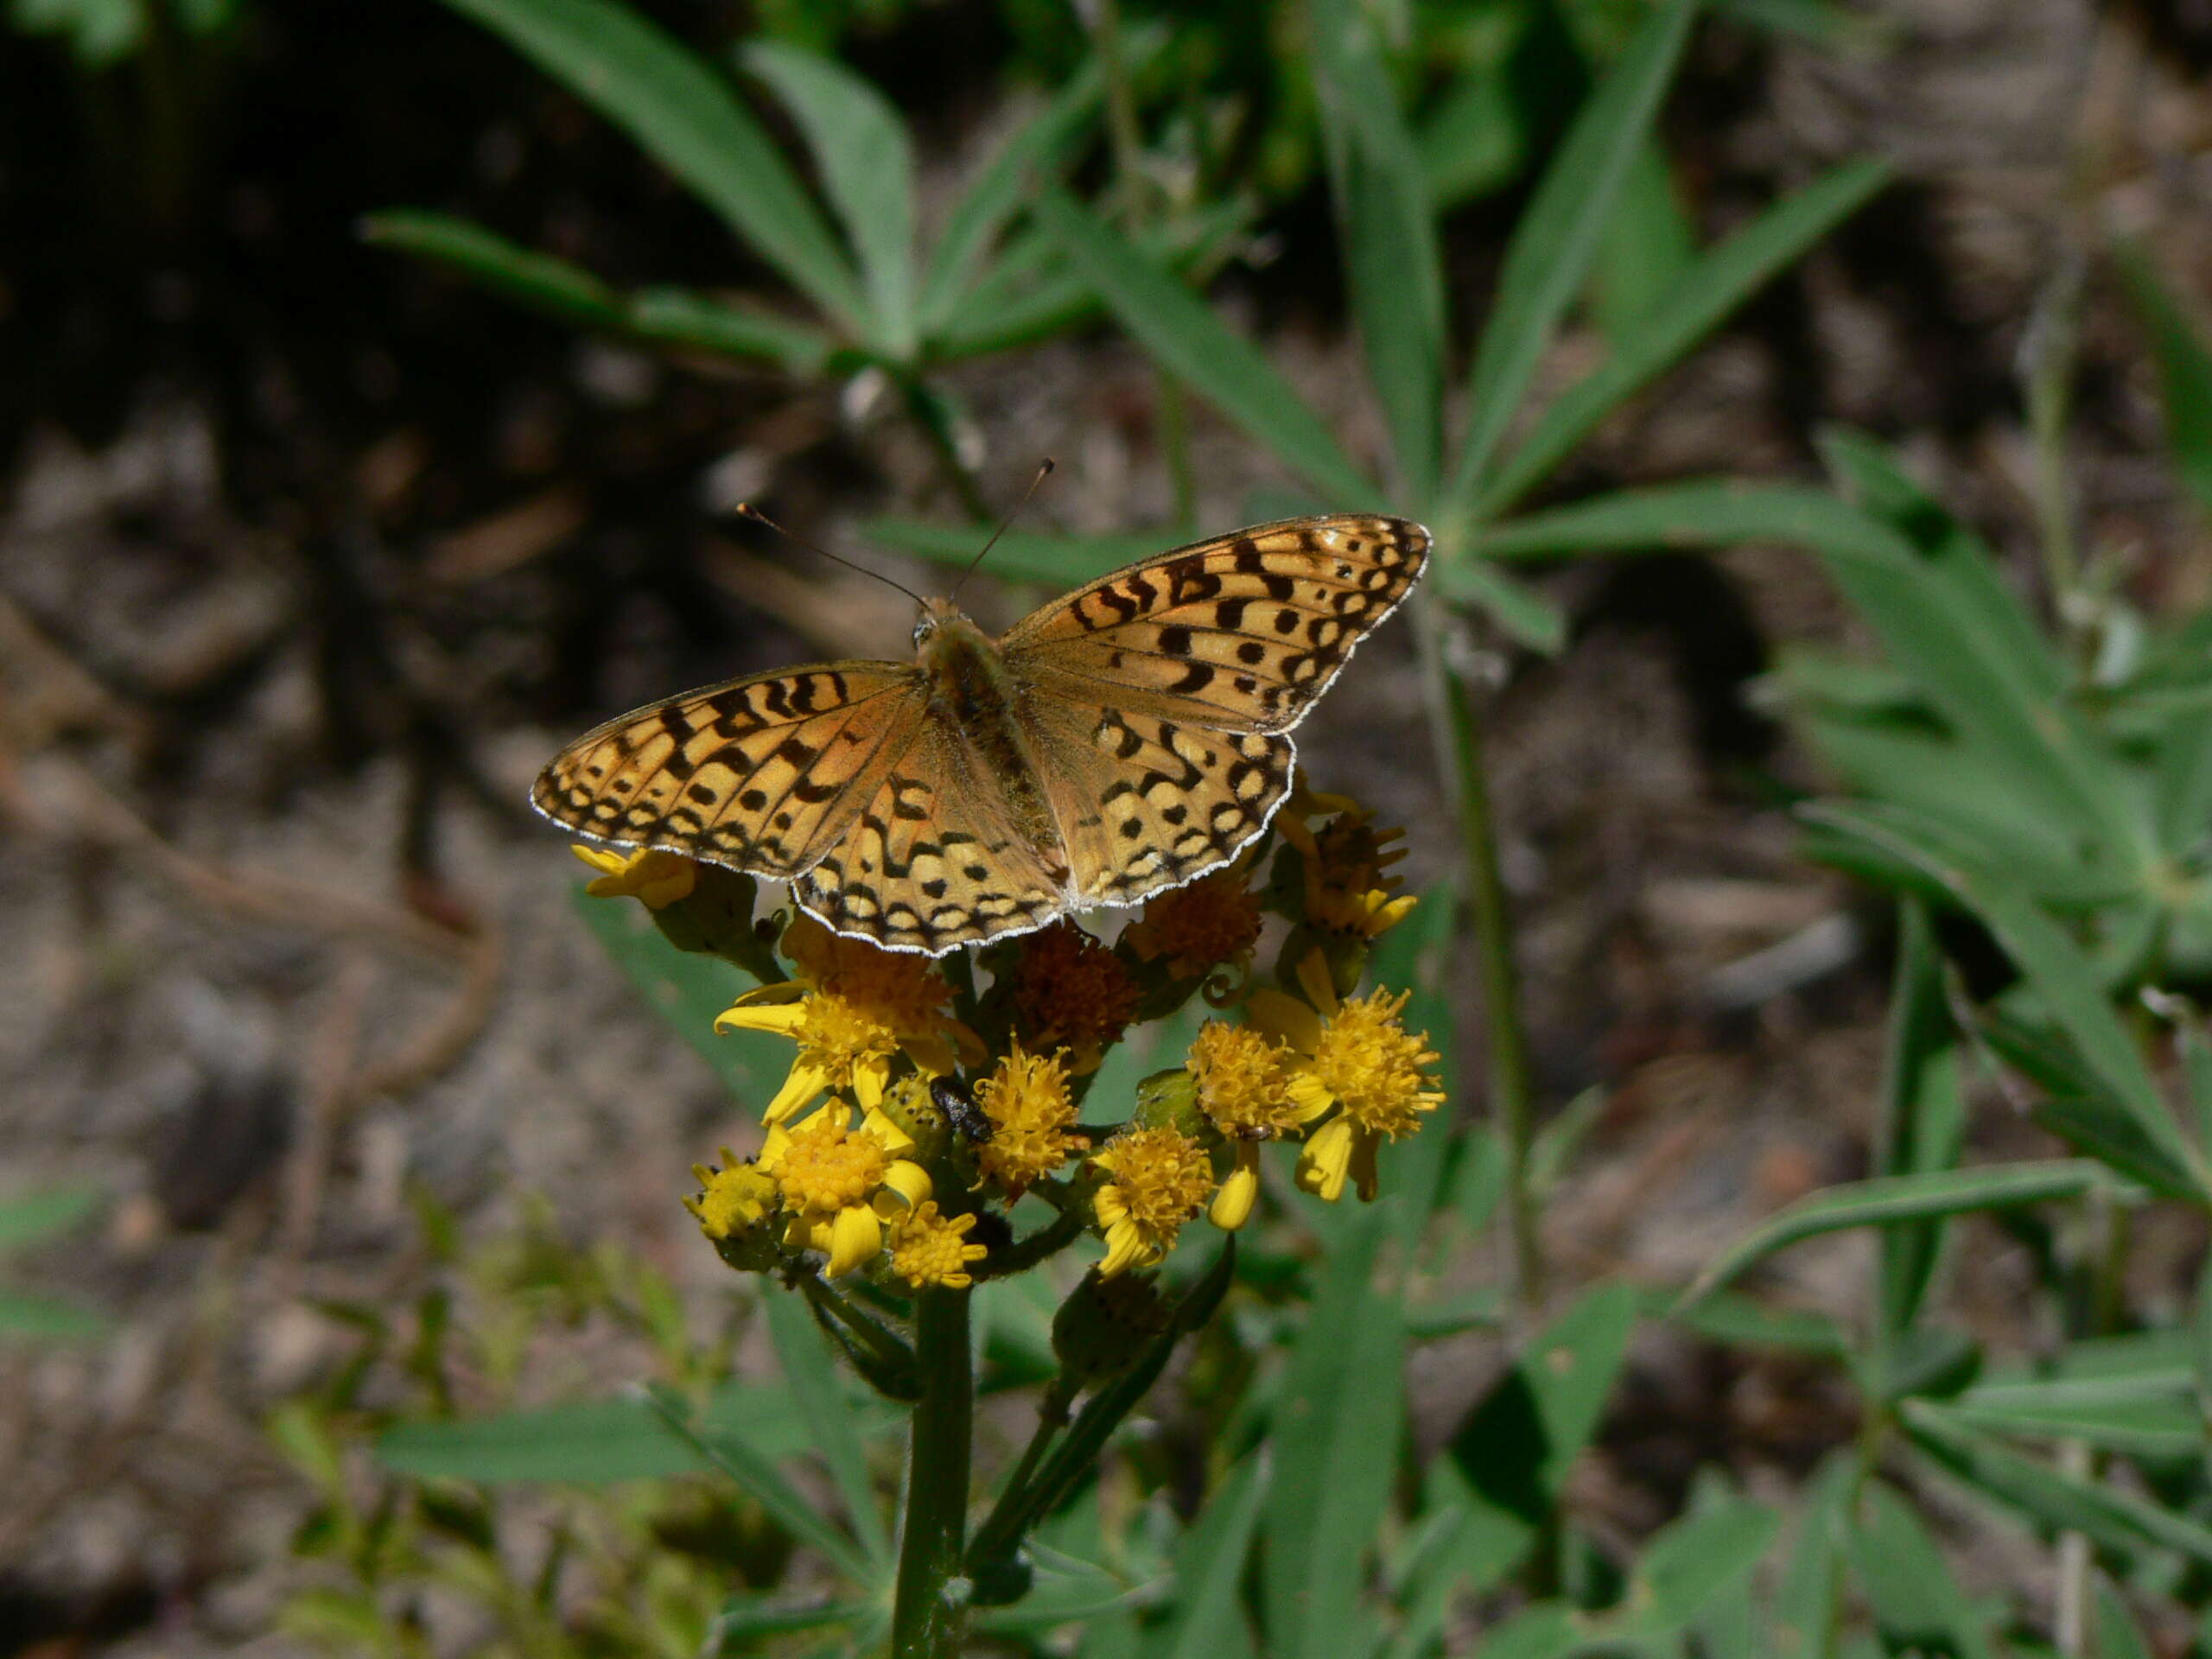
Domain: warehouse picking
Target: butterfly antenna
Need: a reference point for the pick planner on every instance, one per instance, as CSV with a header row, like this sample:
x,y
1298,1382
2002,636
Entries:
x,y
1043,470
746,510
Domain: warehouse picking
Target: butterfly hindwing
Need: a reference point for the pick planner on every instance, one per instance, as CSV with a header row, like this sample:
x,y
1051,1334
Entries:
x,y
1242,632
759,774
939,856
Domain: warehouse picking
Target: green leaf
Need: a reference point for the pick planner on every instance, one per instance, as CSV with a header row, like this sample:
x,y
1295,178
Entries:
x,y
537,280
688,989
1685,313
41,1319
2071,989
746,1616
1740,1322
1208,1617
670,316
1036,154
1557,235
2117,1636
1527,616
1184,336
1913,1596
38,1215
734,1453
1509,1459
1923,1110
2108,1131
1690,1562
691,121
1887,1200
2049,1496
2184,371
867,167
1056,562
1387,228
831,1426
1335,1433
1807,1599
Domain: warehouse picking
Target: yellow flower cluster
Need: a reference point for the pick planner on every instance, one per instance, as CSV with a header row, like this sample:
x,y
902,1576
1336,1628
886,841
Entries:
x,y
874,1121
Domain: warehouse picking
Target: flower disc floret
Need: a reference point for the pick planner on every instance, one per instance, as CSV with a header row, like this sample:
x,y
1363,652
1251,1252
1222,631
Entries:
x,y
839,1185
1072,992
1161,1178
736,1196
928,1249
1031,1116
1202,924
1243,1081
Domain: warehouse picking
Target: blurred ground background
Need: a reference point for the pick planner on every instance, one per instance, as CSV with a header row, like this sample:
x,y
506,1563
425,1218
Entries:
x,y
311,555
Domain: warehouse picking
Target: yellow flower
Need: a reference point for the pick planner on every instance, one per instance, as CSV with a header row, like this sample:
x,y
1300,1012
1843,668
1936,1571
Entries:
x,y
839,1185
927,1249
1360,915
1243,1080
1198,926
660,878
737,1196
1072,992
1345,866
1161,1178
1359,1060
853,1010
1027,1100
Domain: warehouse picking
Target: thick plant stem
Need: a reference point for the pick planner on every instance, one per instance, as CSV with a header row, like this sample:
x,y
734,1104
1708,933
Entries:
x,y
930,1618
1512,1090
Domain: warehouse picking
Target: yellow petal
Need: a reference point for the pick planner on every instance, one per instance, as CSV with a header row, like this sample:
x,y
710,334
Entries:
x,y
1314,979
799,1089
1109,1206
1285,1018
1309,1095
1232,1205
602,859
909,1180
1322,1164
855,1238
930,1050
773,1148
870,1076
1125,1250
886,1134
782,1017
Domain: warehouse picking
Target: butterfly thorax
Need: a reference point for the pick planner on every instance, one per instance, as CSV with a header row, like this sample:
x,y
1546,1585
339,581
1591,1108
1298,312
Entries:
x,y
971,687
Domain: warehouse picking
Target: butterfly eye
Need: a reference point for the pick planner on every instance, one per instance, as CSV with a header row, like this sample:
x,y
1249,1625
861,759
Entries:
x,y
923,630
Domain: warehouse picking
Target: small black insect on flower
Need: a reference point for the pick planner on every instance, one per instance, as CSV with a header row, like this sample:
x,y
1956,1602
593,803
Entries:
x,y
960,1110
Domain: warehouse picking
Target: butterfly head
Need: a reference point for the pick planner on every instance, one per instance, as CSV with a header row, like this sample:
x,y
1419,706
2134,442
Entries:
x,y
940,619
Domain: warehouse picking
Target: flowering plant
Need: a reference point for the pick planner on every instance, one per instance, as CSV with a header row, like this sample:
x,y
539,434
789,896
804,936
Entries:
x,y
938,1126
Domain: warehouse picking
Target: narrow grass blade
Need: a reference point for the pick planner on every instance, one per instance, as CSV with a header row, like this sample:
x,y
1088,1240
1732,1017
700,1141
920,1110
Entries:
x,y
1056,562
1209,1618
2112,1518
537,280
1889,1199
1511,1458
1557,235
1033,157
1387,226
692,122
1335,1435
1914,1597
1686,312
1185,336
670,316
1923,1110
2071,989
734,1456
814,1389
867,167
2184,361
36,1216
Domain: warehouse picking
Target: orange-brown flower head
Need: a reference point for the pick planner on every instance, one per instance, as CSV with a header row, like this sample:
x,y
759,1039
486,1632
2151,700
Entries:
x,y
1072,992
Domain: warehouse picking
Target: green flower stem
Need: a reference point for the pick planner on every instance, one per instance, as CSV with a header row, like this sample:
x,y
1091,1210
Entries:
x,y
829,1305
1005,1523
1051,1239
930,1616
1512,1089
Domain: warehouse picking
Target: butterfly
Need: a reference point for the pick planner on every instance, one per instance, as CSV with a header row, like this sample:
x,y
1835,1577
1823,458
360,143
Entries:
x,y
1125,738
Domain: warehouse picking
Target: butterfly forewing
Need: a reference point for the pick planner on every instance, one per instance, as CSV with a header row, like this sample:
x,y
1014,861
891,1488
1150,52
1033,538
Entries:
x,y
762,774
1241,632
